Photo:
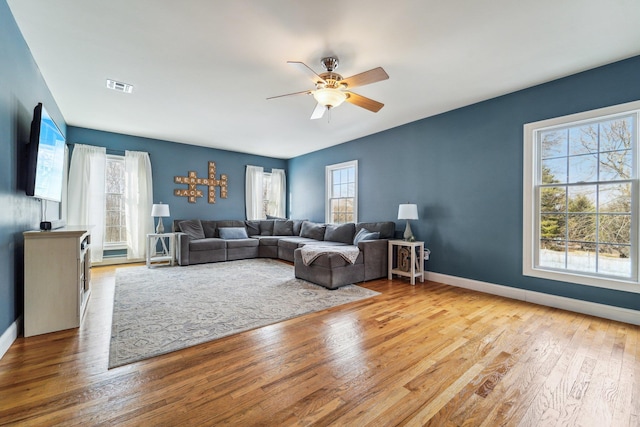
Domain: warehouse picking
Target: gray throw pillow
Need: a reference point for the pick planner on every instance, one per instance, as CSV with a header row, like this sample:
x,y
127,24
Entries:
x,y
365,234
230,233
192,228
342,233
282,228
312,230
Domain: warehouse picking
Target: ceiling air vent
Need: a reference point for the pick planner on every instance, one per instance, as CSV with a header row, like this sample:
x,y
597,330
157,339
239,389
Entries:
x,y
119,86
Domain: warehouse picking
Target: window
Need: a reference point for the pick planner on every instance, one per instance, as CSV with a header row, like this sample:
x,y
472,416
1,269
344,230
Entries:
x,y
581,198
115,235
342,192
266,194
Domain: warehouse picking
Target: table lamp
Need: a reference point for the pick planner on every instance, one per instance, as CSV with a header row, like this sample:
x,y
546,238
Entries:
x,y
408,211
160,210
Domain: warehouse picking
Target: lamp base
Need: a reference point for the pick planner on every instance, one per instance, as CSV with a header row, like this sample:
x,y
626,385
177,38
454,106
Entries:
x,y
408,234
160,227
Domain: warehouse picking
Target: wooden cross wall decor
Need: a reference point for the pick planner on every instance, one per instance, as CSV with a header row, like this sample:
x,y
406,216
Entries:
x,y
192,181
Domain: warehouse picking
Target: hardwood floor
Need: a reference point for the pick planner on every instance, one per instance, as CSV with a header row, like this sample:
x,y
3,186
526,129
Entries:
x,y
425,355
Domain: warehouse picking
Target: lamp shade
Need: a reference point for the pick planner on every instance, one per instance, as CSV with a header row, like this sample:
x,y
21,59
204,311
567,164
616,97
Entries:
x,y
408,211
160,210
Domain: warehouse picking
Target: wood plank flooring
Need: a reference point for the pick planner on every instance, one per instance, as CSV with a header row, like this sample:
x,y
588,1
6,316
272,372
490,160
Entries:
x,y
428,354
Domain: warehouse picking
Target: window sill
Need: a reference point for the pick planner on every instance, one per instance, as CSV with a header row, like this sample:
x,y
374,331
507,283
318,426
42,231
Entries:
x,y
599,282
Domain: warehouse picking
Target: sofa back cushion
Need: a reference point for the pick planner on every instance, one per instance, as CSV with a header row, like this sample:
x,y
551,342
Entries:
x,y
209,228
192,228
340,233
253,227
297,226
365,234
266,227
386,229
312,230
282,227
231,233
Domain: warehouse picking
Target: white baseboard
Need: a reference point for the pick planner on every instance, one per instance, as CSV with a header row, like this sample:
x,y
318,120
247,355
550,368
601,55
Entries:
x,y
9,336
116,261
585,307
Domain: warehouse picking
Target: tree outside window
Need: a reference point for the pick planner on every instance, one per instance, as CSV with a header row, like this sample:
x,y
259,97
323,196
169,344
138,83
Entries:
x,y
115,229
584,199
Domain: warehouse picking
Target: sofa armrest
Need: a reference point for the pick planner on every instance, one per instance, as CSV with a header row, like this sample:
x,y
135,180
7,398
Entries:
x,y
182,248
374,253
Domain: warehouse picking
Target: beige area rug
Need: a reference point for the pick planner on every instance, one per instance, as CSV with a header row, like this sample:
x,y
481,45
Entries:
x,y
160,310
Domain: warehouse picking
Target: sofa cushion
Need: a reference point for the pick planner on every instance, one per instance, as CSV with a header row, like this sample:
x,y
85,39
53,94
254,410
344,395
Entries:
x,y
192,228
386,229
297,225
209,228
253,227
266,228
340,233
312,230
230,233
207,244
365,234
242,243
282,228
294,242
268,240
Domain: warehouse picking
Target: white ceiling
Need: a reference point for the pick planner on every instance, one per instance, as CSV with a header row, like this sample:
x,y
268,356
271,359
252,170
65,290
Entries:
x,y
202,69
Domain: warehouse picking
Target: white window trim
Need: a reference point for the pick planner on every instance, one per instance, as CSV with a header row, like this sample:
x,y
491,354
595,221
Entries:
x,y
328,183
529,209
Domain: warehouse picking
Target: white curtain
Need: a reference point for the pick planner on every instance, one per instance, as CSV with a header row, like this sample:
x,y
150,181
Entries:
x,y
277,198
64,204
138,199
86,195
253,192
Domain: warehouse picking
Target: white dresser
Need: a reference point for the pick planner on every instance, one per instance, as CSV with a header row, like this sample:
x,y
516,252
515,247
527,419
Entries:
x,y
57,279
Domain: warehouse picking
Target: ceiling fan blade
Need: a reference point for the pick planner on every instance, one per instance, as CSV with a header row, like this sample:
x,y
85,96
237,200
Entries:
x,y
365,78
307,92
307,70
318,112
364,102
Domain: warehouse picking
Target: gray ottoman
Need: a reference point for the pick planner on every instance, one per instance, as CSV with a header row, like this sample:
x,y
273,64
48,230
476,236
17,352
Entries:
x,y
329,270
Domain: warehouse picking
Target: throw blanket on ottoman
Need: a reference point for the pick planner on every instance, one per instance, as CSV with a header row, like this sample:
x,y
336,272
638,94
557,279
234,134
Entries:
x,y
311,252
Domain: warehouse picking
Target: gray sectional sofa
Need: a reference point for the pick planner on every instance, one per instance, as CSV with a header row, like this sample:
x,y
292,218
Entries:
x,y
204,241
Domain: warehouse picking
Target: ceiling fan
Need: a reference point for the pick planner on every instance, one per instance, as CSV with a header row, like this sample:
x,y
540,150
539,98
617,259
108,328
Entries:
x,y
332,89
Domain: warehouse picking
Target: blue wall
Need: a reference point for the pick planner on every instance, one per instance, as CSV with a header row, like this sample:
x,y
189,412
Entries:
x,y
21,88
169,159
464,170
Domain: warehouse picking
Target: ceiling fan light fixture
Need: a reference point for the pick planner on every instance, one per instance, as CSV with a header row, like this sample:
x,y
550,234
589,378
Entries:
x,y
329,97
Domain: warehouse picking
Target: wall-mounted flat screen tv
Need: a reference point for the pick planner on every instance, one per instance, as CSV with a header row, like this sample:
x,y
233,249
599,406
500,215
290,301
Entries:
x,y
45,160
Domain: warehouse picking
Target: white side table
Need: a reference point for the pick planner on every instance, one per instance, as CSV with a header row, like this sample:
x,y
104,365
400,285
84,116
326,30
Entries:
x,y
416,263
167,254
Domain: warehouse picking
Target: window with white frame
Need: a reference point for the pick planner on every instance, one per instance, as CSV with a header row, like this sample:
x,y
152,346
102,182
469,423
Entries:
x,y
115,236
581,198
342,192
